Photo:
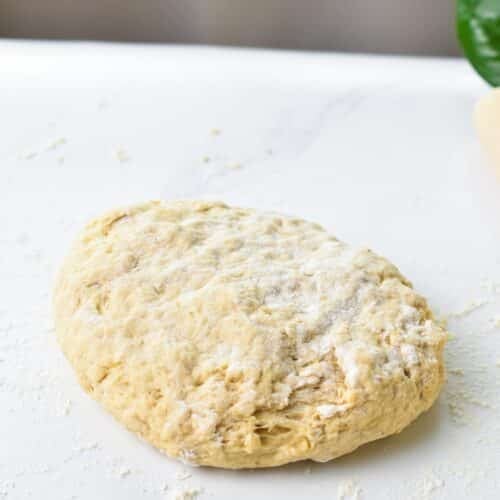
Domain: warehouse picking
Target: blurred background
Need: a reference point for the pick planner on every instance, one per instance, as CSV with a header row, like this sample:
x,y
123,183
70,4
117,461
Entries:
x,y
424,27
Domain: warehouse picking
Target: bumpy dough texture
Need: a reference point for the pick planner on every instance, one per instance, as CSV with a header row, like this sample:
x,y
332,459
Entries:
x,y
233,338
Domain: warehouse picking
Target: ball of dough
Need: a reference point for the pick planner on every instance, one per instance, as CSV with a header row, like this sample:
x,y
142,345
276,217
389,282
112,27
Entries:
x,y
234,338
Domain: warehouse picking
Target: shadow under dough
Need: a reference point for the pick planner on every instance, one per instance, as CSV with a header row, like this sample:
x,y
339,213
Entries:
x,y
397,447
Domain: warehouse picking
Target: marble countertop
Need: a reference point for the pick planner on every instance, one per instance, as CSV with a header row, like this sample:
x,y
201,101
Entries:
x,y
380,150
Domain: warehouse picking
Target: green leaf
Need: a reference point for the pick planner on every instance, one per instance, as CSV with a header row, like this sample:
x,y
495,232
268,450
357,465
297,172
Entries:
x,y
478,29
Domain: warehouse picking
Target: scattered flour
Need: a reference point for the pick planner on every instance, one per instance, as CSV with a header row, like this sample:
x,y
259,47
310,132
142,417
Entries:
x,y
88,446
64,409
68,405
29,155
124,472
121,155
348,489
469,308
426,487
51,146
183,475
56,143
186,494
6,488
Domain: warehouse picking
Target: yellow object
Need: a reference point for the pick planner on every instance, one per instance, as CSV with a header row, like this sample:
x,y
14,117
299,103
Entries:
x,y
487,122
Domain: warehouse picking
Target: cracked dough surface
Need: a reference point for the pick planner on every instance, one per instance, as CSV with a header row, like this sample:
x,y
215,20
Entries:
x,y
234,338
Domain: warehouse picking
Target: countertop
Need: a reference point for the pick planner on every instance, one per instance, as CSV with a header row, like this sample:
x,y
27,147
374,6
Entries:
x,y
380,150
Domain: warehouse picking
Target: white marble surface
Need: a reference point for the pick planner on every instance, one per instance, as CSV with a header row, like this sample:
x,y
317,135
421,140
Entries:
x,y
379,150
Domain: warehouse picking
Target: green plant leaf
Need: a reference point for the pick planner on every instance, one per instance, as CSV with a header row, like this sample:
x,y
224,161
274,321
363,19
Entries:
x,y
478,29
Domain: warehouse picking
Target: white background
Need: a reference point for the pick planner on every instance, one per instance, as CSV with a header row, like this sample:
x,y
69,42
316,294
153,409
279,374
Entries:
x,y
381,151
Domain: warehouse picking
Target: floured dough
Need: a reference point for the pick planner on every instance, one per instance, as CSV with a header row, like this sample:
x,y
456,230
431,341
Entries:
x,y
234,338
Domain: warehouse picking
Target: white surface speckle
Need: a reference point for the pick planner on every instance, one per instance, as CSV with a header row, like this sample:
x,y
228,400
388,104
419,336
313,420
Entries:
x,y
183,475
29,155
186,494
348,489
469,308
425,488
124,472
56,143
121,155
